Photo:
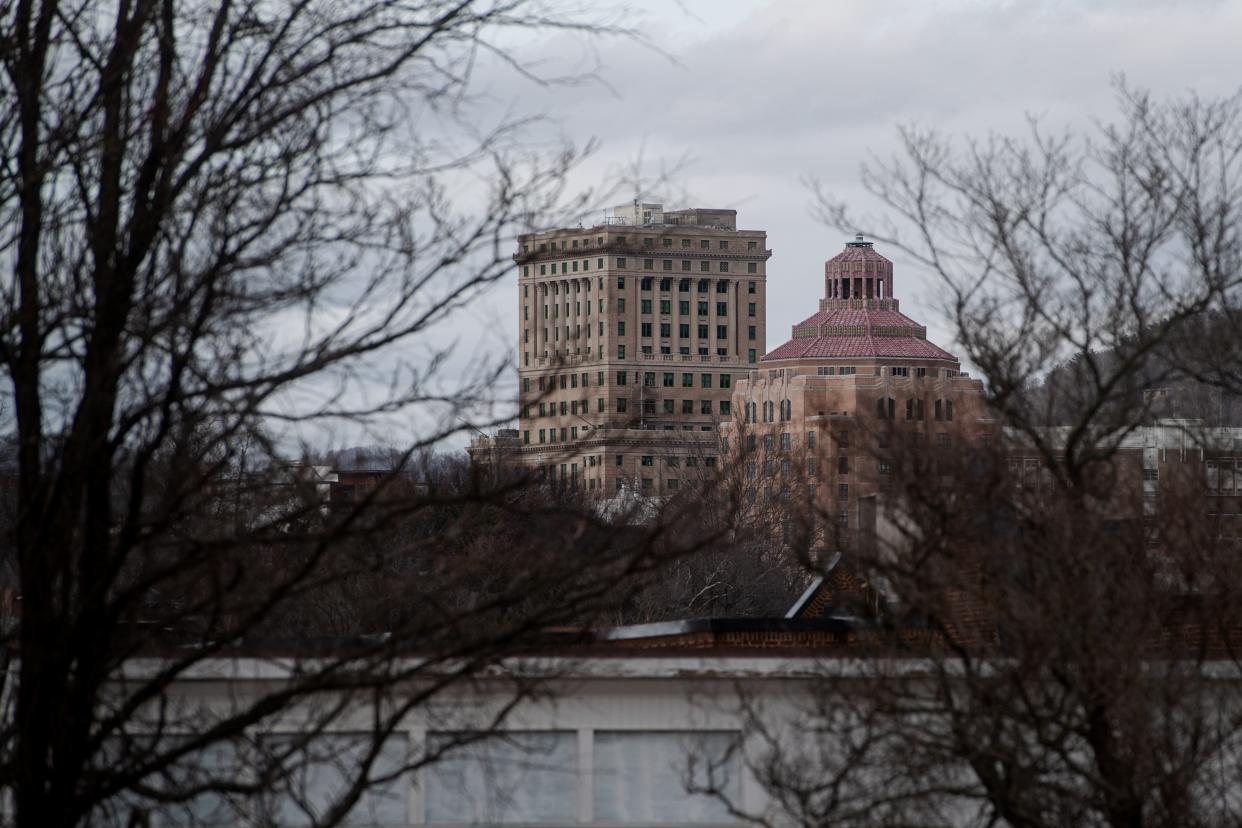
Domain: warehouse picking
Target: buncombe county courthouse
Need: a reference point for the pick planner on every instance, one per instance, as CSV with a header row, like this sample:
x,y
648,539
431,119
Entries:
x,y
642,343
632,335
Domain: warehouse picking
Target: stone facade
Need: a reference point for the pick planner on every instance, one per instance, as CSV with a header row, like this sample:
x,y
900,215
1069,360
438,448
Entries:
x,y
854,380
632,334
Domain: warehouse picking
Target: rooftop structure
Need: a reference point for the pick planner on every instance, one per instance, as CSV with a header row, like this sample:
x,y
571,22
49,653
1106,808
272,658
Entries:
x,y
859,315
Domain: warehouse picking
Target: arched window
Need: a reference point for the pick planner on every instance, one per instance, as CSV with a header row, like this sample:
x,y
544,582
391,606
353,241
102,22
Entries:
x,y
886,408
939,412
786,410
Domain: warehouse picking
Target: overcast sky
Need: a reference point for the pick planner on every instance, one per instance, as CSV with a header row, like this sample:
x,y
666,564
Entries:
x,y
761,95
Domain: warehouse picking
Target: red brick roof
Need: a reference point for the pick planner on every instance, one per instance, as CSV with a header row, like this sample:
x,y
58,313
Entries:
x,y
831,347
858,326
856,252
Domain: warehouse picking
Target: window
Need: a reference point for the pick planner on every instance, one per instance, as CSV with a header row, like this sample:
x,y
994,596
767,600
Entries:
x,y
725,381
942,440
812,467
750,332
645,328
702,289
899,371
648,264
621,279
621,405
649,379
621,328
621,305
722,308
687,406
750,287
702,332
724,267
750,308
722,331
705,407
668,406
722,286
666,329
640,777
644,305
621,377
646,461
645,284
785,441
842,438
683,331
705,266
886,408
752,267
886,467
843,464
666,284
750,355
786,410
767,442
331,762
725,409
683,308
668,380
843,490
667,263
702,309
513,777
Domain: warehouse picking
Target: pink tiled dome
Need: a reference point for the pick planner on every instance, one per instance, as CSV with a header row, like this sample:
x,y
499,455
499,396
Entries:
x,y
859,317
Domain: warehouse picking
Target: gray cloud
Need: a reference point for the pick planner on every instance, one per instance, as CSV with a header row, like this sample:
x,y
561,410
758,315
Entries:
x,y
762,95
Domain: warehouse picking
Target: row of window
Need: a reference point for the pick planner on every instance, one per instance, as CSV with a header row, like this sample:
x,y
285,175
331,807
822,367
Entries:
x,y
575,408
647,378
683,307
769,411
669,378
770,468
648,241
515,777
886,409
646,329
683,285
584,266
670,407
752,354
666,285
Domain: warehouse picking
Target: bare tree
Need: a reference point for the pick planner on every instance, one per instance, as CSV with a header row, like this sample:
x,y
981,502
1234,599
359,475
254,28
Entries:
x,y
1079,603
221,222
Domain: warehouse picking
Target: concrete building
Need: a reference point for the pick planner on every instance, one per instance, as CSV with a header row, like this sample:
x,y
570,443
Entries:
x,y
632,335
856,379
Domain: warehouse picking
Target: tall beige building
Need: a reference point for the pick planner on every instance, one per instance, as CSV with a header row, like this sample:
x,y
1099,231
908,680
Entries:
x,y
632,335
